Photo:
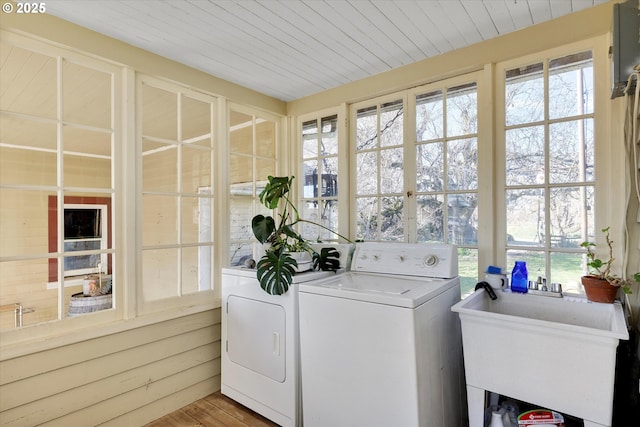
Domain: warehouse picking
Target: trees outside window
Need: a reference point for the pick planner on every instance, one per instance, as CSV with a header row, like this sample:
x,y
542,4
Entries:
x,y
549,165
416,168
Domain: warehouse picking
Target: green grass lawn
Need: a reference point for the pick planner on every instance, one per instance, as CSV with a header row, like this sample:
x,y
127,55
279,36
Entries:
x,y
566,268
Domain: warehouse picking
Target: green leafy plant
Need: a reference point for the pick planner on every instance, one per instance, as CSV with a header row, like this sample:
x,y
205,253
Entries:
x,y
602,269
277,268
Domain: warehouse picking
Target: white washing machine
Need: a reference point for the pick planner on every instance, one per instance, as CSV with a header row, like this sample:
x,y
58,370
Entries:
x,y
260,350
379,344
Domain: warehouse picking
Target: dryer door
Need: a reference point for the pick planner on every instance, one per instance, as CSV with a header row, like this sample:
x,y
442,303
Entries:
x,y
256,336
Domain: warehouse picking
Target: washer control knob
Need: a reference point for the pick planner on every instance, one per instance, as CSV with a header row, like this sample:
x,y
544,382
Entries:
x,y
431,260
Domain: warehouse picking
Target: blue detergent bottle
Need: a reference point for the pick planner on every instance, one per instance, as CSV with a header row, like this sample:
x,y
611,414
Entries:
x,y
519,277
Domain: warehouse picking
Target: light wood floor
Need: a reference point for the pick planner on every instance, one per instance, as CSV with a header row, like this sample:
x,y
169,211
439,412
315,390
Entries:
x,y
215,410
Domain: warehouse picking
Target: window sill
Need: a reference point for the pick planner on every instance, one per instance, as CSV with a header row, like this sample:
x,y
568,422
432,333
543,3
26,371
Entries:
x,y
31,339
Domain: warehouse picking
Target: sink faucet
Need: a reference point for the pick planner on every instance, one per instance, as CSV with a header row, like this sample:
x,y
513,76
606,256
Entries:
x,y
488,289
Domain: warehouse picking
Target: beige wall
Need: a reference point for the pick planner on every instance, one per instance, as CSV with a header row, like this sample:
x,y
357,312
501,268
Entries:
x,y
125,379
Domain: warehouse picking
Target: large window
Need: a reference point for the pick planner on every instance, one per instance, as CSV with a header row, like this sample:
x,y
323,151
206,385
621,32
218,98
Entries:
x,y
320,174
252,158
57,143
416,174
176,146
549,165
379,165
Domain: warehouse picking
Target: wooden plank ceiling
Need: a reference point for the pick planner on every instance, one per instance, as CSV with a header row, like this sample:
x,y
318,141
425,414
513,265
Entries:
x,y
290,49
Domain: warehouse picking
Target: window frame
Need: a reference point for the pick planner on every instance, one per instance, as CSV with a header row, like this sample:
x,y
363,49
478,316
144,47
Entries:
x,y
603,216
343,161
64,324
279,160
179,301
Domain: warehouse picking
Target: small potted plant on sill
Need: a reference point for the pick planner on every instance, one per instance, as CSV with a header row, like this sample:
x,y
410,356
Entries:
x,y
276,268
600,285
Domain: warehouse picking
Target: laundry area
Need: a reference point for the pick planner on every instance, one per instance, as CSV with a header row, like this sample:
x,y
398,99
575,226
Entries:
x,y
389,342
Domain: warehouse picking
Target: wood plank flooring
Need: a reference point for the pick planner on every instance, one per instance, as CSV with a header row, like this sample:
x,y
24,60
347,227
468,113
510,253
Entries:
x,y
215,410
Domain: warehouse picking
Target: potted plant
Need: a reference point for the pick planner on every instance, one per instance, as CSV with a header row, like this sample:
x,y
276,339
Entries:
x,y
276,268
600,285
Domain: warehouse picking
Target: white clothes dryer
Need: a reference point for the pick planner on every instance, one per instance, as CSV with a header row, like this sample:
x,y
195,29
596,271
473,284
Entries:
x,y
260,349
379,344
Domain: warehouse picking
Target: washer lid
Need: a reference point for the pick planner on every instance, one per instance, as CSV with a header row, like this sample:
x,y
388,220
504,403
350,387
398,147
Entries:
x,y
297,278
398,291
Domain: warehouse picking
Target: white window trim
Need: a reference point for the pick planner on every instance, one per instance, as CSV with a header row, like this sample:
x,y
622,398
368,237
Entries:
x,y
605,200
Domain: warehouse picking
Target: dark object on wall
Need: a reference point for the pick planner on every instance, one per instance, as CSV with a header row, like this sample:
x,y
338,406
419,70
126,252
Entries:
x,y
625,49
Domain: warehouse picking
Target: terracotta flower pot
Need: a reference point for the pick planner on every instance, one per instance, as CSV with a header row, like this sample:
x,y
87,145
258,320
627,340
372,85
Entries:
x,y
599,290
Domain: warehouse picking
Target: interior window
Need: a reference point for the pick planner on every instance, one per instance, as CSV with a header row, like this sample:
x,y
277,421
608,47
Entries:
x,y
57,144
177,143
252,158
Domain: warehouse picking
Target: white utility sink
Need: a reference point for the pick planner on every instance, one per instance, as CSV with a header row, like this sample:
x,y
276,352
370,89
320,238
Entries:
x,y
550,352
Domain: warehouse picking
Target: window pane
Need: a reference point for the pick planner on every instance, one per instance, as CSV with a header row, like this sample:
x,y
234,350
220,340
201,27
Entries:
x,y
525,156
25,283
325,213
566,269
463,218
196,169
30,155
265,138
86,96
571,216
429,116
240,171
239,253
392,224
159,113
196,220
264,169
240,133
367,128
87,159
391,171
160,273
467,270
462,164
367,218
462,110
159,167
329,181
391,124
571,85
571,151
535,262
196,269
28,76
196,122
329,142
525,217
310,185
430,167
430,218
367,172
240,217
24,223
524,95
309,139
159,220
